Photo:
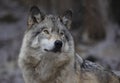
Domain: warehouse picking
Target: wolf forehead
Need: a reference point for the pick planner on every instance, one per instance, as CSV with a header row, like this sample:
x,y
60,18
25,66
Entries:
x,y
53,22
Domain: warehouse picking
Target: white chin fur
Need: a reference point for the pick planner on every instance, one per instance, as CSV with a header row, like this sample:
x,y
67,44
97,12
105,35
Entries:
x,y
47,44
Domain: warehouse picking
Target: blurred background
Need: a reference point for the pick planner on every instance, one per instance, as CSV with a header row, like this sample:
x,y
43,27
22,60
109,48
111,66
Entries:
x,y
95,27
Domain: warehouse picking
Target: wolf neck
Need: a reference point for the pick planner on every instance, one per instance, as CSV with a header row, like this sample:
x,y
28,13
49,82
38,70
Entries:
x,y
55,74
53,68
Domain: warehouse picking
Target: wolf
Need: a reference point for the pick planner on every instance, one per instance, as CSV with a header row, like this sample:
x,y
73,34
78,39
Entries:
x,y
48,54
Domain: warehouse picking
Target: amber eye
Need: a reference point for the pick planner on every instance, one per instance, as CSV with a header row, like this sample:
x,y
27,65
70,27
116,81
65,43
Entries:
x,y
61,33
46,31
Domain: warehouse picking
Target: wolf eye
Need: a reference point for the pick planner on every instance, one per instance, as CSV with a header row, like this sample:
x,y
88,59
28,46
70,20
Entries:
x,y
61,33
46,31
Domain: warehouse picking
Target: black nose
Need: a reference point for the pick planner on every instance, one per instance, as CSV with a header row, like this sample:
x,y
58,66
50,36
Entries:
x,y
58,44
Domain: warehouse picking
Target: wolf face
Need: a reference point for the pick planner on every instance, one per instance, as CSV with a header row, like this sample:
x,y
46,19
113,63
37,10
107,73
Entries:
x,y
48,33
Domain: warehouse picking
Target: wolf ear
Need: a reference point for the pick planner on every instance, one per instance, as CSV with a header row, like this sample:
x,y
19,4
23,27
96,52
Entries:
x,y
35,16
67,18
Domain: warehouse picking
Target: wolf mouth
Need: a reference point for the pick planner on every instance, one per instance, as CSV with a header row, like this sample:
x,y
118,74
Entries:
x,y
55,50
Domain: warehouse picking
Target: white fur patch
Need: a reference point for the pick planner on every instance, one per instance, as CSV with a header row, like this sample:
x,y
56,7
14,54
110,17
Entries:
x,y
47,44
35,43
66,47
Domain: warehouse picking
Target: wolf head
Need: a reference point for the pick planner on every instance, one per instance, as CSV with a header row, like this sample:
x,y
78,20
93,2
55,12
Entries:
x,y
48,33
